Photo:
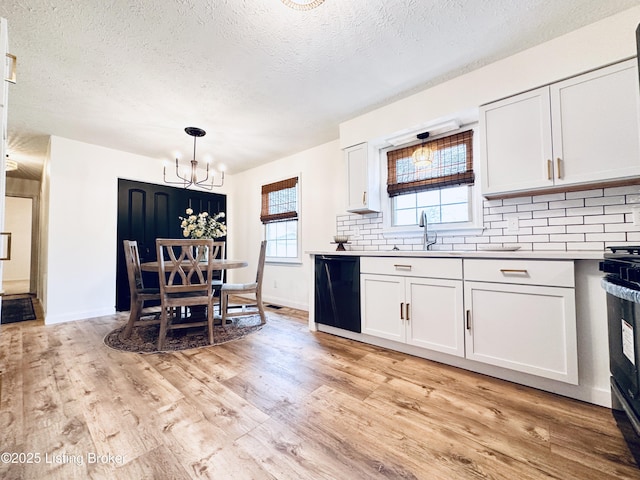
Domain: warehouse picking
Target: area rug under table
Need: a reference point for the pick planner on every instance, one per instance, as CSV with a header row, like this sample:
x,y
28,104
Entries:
x,y
144,339
17,310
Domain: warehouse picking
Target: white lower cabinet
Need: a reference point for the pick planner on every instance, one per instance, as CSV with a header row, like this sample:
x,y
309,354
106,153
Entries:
x,y
514,314
527,322
401,306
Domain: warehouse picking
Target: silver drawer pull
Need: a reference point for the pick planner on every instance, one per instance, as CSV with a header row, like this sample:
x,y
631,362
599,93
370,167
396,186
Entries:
x,y
514,270
400,266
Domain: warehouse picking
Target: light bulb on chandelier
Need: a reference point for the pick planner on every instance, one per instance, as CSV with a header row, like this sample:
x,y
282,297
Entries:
x,y
189,176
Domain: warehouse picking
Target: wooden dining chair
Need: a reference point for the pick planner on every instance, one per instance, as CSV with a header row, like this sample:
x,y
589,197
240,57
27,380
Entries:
x,y
139,294
218,275
245,288
185,270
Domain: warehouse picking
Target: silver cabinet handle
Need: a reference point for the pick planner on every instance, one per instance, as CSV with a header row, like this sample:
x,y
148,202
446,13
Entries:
x,y
402,311
514,270
407,310
549,169
401,266
468,321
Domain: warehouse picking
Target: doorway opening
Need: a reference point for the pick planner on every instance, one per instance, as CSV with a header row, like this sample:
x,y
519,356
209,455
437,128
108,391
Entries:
x,y
16,273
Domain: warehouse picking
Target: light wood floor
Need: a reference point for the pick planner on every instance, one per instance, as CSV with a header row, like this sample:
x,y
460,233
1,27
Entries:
x,y
282,403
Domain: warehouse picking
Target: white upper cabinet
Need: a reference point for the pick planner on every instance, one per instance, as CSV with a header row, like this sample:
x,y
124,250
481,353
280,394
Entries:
x,y
583,130
363,188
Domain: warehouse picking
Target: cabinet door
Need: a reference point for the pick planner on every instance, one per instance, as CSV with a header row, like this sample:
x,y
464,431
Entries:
x,y
357,177
596,127
516,143
527,328
434,315
382,302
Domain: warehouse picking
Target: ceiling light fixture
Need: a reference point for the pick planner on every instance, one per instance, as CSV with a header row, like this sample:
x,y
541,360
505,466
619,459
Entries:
x,y
302,4
423,155
192,179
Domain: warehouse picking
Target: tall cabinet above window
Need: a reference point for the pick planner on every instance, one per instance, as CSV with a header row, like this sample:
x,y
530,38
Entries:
x,y
582,130
363,179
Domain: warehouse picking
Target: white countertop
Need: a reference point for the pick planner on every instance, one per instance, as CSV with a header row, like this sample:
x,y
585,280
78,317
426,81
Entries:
x,y
541,255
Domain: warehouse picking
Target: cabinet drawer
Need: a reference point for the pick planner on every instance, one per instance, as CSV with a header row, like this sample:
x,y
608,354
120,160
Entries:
x,y
413,267
524,272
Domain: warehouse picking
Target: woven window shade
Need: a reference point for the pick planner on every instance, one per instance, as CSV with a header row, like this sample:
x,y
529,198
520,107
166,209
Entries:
x,y
279,201
452,165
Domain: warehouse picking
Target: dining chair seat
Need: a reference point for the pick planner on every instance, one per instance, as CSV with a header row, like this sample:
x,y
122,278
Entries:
x,y
255,288
185,269
139,294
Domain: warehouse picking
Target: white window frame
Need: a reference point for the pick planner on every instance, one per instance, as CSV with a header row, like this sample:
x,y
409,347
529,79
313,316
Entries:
x,y
288,260
473,227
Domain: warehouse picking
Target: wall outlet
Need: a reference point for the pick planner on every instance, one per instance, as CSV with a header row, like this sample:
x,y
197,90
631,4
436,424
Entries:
x,y
635,214
512,225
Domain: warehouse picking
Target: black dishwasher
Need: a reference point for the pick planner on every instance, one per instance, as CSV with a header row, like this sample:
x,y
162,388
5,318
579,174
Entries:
x,y
337,295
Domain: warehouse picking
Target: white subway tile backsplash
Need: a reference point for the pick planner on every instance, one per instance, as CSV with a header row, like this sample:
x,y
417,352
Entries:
x,y
595,228
549,213
585,246
527,207
533,238
578,202
606,237
516,200
566,221
599,210
598,192
621,227
550,229
626,208
534,222
552,197
567,237
604,218
581,220
617,200
507,209
628,190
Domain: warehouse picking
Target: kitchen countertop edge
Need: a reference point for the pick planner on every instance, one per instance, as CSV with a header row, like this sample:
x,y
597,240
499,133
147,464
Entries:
x,y
500,254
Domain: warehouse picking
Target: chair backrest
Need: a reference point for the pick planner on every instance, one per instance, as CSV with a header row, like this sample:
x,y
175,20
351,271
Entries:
x,y
185,265
134,273
261,257
218,250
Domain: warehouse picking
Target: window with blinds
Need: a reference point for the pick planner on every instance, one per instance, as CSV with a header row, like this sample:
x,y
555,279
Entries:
x,y
442,189
279,213
452,164
279,201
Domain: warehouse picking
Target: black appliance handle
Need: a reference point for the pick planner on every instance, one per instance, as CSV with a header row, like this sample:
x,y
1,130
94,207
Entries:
x,y
338,258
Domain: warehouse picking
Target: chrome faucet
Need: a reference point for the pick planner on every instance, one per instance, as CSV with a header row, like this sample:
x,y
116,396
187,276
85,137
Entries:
x,y
426,242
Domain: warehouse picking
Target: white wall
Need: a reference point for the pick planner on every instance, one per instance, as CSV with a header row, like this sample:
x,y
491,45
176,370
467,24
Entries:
x,y
80,188
322,197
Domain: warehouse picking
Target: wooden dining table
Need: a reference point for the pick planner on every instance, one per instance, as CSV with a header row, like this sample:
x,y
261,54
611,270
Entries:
x,y
224,264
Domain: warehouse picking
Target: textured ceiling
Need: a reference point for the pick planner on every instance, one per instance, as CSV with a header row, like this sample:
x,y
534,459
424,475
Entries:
x,y
263,80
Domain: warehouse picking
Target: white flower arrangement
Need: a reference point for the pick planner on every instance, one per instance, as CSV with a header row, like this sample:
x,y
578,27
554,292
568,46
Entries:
x,y
202,225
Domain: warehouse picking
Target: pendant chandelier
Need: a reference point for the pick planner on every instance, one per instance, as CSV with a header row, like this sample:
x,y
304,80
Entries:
x,y
192,178
302,4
